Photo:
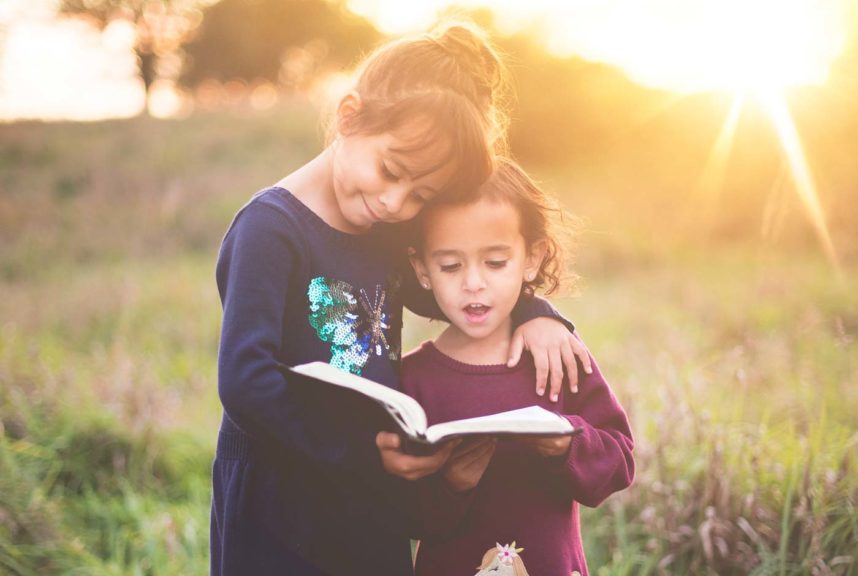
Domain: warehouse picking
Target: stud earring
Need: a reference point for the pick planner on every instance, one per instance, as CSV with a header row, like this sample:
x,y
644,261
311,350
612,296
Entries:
x,y
425,285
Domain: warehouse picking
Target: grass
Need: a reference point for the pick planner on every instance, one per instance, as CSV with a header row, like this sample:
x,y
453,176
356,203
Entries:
x,y
735,360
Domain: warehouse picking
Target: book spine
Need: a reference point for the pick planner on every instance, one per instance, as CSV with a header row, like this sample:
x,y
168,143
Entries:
x,y
417,446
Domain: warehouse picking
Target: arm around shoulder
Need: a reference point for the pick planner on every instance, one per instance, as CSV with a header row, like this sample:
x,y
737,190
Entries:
x,y
600,459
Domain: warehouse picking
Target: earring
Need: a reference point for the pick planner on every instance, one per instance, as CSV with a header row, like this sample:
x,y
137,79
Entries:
x,y
530,277
425,285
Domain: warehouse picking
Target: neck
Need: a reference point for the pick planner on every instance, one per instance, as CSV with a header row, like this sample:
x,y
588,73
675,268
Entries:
x,y
492,349
313,185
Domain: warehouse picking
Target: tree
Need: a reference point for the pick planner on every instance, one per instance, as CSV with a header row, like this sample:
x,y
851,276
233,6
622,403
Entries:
x,y
282,41
161,26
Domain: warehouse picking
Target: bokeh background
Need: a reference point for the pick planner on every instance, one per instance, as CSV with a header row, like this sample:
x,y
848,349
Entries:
x,y
707,149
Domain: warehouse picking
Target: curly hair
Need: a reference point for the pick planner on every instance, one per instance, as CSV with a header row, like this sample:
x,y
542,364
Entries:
x,y
541,219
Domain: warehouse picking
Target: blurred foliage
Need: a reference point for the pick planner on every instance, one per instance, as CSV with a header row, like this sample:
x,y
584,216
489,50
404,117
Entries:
x,y
283,41
160,25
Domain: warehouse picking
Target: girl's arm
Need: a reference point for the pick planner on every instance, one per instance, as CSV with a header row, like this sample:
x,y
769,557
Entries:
x,y
258,259
598,461
254,269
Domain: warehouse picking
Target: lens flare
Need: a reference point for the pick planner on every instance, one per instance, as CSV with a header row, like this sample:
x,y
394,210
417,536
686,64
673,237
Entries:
x,y
802,177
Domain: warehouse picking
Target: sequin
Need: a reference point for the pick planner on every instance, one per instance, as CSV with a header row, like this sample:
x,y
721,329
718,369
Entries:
x,y
355,325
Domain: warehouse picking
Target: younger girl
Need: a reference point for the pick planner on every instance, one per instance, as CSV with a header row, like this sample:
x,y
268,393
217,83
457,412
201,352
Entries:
x,y
477,259
306,272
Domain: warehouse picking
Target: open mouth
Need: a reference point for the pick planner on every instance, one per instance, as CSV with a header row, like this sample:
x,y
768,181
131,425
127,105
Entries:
x,y
476,312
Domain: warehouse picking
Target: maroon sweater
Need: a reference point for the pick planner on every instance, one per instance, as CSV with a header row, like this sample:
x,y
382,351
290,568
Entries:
x,y
522,497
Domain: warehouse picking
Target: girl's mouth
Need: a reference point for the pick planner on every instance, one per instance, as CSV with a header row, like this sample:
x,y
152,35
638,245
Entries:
x,y
476,312
372,213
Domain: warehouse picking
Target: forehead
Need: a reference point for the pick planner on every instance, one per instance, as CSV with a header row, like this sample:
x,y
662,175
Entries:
x,y
472,226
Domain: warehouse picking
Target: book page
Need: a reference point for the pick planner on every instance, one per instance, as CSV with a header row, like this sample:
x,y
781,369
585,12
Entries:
x,y
530,420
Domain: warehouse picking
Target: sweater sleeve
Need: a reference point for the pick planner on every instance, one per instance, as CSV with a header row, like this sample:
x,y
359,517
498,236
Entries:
x,y
599,461
256,261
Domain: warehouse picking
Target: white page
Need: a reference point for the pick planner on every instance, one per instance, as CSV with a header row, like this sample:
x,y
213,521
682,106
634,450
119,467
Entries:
x,y
530,420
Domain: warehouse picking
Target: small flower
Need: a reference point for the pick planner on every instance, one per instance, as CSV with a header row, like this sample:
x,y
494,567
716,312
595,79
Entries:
x,y
507,553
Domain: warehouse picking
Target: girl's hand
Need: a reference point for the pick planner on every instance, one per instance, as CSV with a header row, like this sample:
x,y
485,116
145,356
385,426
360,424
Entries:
x,y
468,462
553,347
549,446
406,466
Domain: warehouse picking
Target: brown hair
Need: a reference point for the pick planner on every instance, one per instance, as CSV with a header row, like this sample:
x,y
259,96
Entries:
x,y
451,77
540,219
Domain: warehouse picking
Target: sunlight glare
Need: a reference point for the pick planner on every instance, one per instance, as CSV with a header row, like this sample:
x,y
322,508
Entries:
x,y
680,45
805,186
696,45
710,184
68,70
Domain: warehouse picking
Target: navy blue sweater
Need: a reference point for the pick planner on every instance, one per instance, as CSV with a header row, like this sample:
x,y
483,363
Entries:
x,y
298,486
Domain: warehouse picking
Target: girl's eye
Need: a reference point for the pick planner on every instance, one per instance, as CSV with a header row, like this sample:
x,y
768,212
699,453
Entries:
x,y
449,267
496,263
388,175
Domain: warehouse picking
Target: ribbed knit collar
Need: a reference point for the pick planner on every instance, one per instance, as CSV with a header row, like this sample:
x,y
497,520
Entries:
x,y
437,356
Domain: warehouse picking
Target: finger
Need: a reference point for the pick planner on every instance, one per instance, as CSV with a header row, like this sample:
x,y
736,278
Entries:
x,y
476,459
570,365
582,352
540,362
387,441
555,365
416,467
444,453
474,443
466,451
516,347
431,462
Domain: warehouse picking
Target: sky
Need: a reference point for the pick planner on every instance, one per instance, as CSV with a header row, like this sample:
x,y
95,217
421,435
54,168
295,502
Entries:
x,y
69,70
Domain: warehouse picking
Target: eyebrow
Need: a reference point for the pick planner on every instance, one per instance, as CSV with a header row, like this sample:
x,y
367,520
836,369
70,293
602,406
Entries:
x,y
438,253
451,252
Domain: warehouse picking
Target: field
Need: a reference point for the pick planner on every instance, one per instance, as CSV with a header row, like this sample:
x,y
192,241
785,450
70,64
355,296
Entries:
x,y
735,358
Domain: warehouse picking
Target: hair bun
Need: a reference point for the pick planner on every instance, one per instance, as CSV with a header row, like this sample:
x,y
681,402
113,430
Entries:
x,y
472,51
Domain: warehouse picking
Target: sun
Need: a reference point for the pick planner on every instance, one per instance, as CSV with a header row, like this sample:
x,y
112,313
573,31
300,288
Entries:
x,y
756,46
755,49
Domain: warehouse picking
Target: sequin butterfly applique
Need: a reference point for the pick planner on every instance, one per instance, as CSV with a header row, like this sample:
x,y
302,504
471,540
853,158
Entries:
x,y
355,324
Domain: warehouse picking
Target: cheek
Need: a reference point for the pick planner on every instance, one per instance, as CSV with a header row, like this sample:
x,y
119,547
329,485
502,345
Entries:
x,y
444,288
409,211
512,282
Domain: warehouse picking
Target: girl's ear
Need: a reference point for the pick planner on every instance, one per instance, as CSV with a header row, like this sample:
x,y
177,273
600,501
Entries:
x,y
419,269
348,107
533,260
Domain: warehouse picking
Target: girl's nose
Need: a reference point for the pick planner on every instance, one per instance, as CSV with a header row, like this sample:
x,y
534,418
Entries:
x,y
393,198
474,281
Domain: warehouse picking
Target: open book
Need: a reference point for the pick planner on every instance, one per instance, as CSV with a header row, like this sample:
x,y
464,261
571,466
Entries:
x,y
411,420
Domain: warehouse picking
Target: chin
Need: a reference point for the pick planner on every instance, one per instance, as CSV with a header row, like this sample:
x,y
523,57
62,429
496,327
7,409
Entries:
x,y
479,333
